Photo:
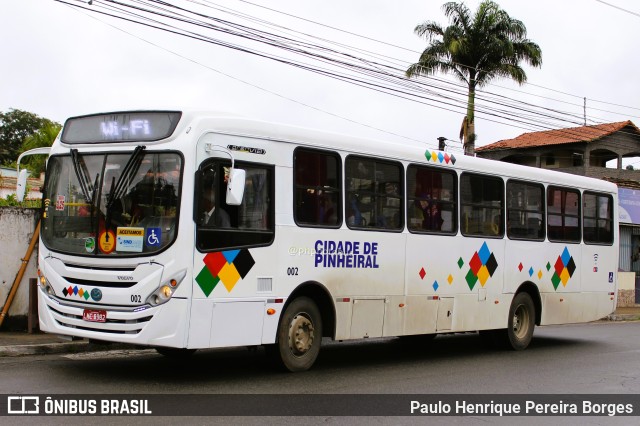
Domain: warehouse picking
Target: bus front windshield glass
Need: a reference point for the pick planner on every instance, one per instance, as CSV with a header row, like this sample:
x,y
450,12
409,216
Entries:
x,y
112,204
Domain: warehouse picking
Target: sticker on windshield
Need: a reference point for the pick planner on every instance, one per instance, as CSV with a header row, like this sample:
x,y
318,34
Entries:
x,y
129,239
152,237
60,203
107,241
90,244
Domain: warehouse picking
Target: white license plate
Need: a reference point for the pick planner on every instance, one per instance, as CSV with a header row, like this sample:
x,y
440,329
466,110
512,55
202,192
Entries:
x,y
94,315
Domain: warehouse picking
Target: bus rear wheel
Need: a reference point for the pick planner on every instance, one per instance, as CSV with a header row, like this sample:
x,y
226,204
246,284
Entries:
x,y
299,335
522,321
519,331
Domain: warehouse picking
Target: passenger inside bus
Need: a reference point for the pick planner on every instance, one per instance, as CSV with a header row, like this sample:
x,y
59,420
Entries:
x,y
425,214
212,215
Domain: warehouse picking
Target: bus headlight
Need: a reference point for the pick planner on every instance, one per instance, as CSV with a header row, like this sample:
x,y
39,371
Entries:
x,y
166,289
45,285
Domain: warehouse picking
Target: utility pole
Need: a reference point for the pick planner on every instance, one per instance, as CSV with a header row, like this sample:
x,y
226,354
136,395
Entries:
x,y
441,145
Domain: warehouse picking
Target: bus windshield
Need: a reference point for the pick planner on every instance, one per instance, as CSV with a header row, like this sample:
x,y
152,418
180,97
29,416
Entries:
x,y
120,204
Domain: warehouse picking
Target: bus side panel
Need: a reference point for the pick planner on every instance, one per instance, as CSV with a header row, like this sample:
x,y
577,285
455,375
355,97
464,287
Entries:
x,y
470,270
349,265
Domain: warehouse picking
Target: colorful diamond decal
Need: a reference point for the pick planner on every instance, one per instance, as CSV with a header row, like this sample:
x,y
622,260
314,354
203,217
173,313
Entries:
x,y
460,263
475,263
422,273
227,267
439,157
540,274
555,280
435,286
82,293
471,279
229,276
564,268
483,275
450,279
244,262
548,266
520,267
482,266
206,281
530,272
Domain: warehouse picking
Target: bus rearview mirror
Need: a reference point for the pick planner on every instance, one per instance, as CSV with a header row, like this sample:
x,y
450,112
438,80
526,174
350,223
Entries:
x,y
22,184
235,186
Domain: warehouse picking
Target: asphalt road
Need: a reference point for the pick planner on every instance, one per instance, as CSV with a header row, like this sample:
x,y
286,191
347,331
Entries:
x,y
596,358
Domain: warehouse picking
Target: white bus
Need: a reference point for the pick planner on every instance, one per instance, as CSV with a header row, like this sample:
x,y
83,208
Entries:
x,y
183,230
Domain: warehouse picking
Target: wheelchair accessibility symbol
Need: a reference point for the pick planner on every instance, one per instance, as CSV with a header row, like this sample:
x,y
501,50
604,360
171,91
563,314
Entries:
x,y
153,237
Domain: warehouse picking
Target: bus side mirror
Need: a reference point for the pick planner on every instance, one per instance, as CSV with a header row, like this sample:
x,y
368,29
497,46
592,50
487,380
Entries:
x,y
22,184
235,186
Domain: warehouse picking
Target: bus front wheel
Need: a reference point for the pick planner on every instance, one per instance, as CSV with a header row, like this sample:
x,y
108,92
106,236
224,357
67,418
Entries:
x,y
299,335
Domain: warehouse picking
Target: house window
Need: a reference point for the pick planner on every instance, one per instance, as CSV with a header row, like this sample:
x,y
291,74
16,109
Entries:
x,y
550,160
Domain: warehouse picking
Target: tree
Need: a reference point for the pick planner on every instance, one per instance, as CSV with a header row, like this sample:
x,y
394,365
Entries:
x,y
476,49
15,126
43,137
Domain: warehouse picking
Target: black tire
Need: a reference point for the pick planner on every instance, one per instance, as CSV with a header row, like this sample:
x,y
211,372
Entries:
x,y
299,335
522,321
519,331
175,353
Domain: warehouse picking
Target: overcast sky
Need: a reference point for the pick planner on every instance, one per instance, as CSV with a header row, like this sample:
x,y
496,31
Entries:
x,y
58,61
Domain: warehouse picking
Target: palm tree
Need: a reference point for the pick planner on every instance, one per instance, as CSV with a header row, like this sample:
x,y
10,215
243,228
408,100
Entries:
x,y
476,49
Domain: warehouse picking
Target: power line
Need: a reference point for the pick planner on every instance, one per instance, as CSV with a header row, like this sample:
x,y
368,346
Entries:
x,y
334,58
619,8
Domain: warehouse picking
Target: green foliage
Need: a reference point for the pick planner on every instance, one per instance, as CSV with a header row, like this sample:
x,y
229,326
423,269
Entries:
x,y
12,201
43,137
15,126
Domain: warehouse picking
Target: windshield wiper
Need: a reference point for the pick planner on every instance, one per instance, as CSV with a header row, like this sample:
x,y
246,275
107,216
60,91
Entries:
x,y
118,188
88,189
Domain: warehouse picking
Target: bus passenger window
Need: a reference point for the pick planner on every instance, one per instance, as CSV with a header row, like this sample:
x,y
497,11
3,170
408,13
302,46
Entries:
x,y
482,199
525,210
374,194
221,226
563,214
597,218
317,188
431,199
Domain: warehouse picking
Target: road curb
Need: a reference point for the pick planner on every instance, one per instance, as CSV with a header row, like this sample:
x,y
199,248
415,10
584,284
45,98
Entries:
x,y
57,348
622,317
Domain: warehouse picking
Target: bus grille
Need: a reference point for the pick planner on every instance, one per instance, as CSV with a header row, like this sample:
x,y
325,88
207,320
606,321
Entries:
x,y
112,326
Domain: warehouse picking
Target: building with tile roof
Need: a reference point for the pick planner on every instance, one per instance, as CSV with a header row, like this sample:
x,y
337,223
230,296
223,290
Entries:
x,y
579,150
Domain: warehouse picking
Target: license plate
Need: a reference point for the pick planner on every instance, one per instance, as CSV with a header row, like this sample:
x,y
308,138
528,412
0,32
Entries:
x,y
94,315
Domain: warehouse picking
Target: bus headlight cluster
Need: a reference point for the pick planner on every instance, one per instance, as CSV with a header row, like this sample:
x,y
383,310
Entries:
x,y
44,283
167,289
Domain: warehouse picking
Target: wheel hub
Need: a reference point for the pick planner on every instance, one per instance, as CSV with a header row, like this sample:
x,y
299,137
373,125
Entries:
x,y
301,334
519,321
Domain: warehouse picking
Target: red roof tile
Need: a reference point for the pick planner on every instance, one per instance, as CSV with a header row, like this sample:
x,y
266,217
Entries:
x,y
560,136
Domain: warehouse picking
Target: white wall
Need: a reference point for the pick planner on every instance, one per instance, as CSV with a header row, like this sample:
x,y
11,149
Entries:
x,y
16,228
